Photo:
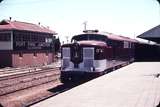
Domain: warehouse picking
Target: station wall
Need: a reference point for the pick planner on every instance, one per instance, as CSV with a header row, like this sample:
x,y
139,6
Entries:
x,y
31,59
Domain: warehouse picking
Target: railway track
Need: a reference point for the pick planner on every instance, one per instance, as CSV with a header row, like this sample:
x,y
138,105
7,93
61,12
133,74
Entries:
x,y
11,71
55,91
13,83
17,74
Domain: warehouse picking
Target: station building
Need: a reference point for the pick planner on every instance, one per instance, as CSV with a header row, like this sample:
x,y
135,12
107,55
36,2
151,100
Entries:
x,y
149,52
25,44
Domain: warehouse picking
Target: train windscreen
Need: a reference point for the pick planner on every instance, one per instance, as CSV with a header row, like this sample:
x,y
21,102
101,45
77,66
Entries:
x,y
96,37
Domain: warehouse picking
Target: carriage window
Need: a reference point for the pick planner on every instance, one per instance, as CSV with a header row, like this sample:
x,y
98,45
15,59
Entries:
x,y
126,44
130,45
109,42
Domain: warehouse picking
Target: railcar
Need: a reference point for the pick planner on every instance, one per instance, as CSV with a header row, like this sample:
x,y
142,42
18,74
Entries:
x,y
94,53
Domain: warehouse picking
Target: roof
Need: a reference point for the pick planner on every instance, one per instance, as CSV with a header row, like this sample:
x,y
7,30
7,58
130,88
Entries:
x,y
23,26
111,35
152,34
88,43
119,37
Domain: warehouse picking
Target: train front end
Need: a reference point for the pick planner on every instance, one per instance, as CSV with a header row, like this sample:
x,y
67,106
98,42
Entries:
x,y
78,61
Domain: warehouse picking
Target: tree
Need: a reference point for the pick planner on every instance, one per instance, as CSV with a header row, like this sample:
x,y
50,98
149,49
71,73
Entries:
x,y
1,1
57,45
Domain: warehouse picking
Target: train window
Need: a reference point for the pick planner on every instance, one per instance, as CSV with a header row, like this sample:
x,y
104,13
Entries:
x,y
114,43
89,37
126,44
129,44
120,44
109,42
132,45
80,37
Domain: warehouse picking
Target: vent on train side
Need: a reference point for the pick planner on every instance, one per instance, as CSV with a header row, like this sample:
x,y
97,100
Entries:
x,y
88,57
65,57
66,52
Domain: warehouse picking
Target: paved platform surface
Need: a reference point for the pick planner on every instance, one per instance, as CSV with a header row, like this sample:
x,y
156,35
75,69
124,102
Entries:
x,y
136,85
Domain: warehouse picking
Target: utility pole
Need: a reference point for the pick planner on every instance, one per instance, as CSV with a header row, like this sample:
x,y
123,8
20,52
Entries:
x,y
85,25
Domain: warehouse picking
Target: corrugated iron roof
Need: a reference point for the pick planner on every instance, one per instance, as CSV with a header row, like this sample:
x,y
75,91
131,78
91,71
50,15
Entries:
x,y
152,33
24,26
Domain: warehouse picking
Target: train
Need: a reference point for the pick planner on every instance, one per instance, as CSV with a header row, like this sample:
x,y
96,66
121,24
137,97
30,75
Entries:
x,y
93,53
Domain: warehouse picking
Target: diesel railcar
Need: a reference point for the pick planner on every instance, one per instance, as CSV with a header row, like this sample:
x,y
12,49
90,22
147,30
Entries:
x,y
92,54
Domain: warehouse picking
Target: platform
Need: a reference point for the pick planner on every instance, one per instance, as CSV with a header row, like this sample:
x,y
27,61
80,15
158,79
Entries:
x,y
136,85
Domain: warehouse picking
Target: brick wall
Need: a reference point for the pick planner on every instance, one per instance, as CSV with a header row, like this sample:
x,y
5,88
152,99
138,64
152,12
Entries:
x,y
31,59
5,59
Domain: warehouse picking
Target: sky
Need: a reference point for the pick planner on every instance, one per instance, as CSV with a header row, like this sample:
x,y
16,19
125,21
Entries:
x,y
123,17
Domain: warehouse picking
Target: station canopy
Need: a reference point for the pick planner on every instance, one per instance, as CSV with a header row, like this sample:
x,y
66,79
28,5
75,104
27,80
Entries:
x,y
152,34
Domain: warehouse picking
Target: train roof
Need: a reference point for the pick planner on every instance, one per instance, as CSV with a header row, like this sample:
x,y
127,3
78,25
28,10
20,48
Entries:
x,y
88,43
119,37
92,42
110,35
